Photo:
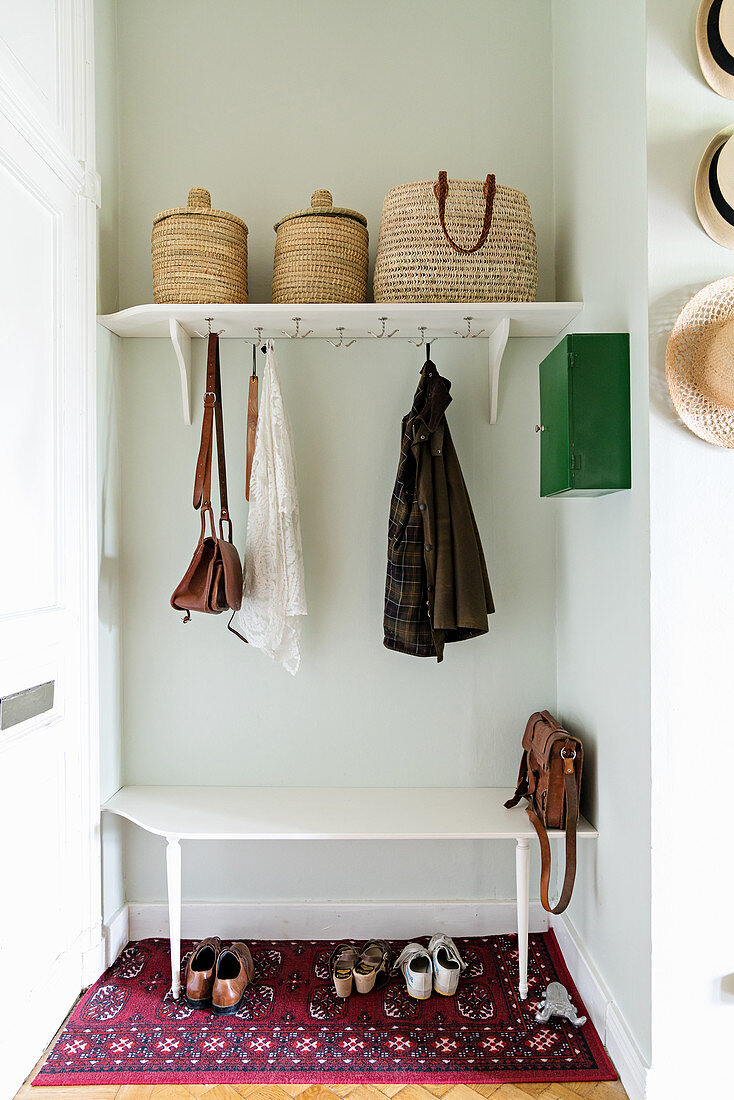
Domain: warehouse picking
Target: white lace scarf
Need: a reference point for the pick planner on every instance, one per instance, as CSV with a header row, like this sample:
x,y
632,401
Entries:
x,y
274,595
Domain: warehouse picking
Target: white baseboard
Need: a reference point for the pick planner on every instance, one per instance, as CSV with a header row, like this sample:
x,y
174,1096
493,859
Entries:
x,y
93,962
331,920
605,1014
116,933
625,1054
587,978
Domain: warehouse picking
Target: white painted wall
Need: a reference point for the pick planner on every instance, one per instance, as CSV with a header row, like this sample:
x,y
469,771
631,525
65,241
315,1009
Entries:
x,y
108,467
263,108
602,607
692,531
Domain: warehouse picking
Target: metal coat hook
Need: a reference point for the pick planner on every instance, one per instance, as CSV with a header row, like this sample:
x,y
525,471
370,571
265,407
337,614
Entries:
x,y
381,333
259,340
297,335
338,343
205,335
469,335
421,342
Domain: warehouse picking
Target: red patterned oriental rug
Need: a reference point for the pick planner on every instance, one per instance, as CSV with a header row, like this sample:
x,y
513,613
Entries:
x,y
293,1029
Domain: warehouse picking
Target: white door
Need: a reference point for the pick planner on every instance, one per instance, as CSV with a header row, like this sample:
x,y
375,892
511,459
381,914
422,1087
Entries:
x,y
49,916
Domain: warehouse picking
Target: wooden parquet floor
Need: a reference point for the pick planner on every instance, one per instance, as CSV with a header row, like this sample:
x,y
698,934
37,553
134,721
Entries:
x,y
604,1090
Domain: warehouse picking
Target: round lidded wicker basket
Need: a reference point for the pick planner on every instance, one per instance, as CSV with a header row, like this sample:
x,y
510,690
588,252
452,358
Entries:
x,y
416,263
199,254
321,254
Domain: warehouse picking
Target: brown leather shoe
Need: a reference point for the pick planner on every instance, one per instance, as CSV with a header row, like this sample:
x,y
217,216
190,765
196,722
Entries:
x,y
235,971
200,972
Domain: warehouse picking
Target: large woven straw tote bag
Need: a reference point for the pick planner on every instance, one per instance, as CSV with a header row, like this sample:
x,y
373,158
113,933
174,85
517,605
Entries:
x,y
470,241
199,254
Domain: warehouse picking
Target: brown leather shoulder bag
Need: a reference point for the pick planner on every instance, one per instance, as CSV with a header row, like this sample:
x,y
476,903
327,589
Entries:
x,y
213,581
550,779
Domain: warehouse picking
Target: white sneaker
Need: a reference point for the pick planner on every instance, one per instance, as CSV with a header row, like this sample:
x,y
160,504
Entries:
x,y
415,963
447,964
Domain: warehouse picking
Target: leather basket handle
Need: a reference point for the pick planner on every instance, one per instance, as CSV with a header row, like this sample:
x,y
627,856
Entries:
x,y
441,190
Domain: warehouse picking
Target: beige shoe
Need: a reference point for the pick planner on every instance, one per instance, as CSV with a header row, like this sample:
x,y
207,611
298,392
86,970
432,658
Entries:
x,y
373,967
341,966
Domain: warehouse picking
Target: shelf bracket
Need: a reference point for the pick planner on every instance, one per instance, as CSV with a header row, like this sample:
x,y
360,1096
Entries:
x,y
496,348
182,346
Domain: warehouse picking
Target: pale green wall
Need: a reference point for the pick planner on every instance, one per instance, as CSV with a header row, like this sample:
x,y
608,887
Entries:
x,y
603,573
263,103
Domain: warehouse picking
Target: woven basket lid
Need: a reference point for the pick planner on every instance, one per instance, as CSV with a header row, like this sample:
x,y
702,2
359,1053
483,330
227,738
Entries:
x,y
323,204
200,202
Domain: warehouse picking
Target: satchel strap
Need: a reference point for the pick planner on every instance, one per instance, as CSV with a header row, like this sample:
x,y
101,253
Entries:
x,y
572,812
441,190
212,420
522,783
523,776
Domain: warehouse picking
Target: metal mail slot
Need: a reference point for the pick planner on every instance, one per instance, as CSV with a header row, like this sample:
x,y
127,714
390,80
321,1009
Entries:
x,y
22,705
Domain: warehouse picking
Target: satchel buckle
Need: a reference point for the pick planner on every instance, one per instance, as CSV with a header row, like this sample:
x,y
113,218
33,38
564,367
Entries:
x,y
210,393
568,754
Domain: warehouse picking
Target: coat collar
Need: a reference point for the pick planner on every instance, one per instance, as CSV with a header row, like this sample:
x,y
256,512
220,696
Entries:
x,y
432,399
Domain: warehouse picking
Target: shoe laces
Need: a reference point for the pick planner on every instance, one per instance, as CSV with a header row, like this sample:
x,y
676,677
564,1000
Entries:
x,y
440,940
410,951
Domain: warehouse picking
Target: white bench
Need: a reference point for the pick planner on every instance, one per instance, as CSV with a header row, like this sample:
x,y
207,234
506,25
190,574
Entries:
x,y
330,813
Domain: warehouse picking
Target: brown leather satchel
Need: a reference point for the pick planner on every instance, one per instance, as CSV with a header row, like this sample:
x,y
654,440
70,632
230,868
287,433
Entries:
x,y
213,581
550,779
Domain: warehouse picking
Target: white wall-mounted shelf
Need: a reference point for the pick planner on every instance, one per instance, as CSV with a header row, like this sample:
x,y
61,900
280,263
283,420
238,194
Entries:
x,y
491,321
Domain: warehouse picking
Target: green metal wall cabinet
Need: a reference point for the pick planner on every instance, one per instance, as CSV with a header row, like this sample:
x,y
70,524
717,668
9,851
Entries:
x,y
585,416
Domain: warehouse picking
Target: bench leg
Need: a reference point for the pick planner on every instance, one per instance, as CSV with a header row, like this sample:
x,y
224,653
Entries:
x,y
522,872
173,872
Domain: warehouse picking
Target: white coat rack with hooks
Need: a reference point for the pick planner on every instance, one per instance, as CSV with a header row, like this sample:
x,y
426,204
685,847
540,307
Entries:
x,y
493,322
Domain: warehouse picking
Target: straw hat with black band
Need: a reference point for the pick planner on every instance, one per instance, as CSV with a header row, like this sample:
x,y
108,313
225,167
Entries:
x,y
715,43
714,191
699,363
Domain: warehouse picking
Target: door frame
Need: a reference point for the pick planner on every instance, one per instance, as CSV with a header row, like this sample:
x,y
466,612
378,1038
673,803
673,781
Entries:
x,y
63,137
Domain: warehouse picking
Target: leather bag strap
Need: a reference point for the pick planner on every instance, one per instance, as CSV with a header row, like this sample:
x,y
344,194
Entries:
x,y
441,190
572,813
212,419
203,474
522,783
251,431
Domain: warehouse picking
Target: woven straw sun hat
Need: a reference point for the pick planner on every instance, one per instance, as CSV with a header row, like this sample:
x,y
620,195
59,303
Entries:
x,y
699,363
715,44
714,190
